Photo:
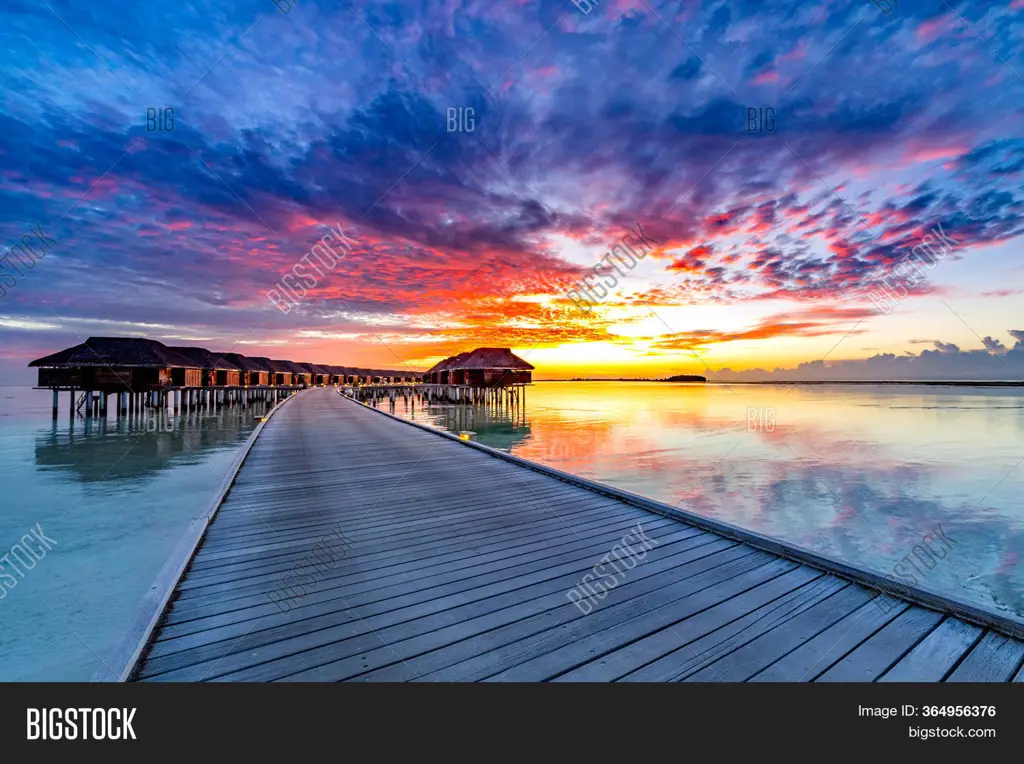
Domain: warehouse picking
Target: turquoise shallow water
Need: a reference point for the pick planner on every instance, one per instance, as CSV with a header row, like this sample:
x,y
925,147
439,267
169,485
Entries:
x,y
859,472
115,497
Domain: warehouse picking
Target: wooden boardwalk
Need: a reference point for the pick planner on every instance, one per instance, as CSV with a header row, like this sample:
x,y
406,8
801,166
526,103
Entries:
x,y
455,565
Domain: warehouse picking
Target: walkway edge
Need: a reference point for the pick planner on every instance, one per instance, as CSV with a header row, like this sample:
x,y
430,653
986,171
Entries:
x,y
916,595
127,651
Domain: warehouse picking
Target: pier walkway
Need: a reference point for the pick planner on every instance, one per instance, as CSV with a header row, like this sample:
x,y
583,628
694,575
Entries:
x,y
356,547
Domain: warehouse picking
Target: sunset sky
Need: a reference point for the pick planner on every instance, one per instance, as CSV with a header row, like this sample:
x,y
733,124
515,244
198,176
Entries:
x,y
769,245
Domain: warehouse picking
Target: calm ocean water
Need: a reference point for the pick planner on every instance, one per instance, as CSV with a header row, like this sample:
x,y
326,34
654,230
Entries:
x,y
857,472
116,497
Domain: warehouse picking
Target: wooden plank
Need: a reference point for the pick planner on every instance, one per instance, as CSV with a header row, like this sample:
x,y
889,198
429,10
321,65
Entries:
x,y
817,655
594,639
360,522
403,592
675,644
443,524
457,652
933,657
456,549
445,540
500,651
740,658
355,647
254,581
994,659
377,613
530,508
887,646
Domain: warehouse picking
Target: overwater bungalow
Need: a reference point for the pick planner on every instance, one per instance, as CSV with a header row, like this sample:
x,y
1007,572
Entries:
x,y
255,372
116,364
490,367
319,375
281,373
300,374
448,370
217,370
339,374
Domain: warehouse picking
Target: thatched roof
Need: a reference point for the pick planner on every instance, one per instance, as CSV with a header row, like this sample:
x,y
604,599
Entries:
x,y
491,358
245,363
117,351
138,351
204,359
277,366
267,364
312,368
450,362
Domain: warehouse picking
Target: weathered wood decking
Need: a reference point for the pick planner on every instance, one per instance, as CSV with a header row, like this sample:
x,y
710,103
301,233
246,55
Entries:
x,y
458,565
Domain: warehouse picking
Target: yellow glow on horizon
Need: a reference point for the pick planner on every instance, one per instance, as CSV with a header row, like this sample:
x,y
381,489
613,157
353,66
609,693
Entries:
x,y
642,358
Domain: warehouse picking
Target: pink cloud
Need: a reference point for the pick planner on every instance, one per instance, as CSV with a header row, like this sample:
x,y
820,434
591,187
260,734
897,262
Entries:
x,y
798,52
931,153
929,30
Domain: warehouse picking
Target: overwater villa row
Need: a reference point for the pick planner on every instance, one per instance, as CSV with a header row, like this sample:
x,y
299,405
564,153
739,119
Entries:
x,y
147,373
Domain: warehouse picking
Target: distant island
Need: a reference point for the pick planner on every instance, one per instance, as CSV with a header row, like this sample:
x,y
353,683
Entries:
x,y
676,378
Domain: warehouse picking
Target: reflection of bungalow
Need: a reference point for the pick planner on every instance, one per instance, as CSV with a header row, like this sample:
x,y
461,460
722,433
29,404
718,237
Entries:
x,y
217,371
254,370
319,375
489,367
115,364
